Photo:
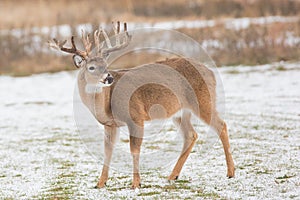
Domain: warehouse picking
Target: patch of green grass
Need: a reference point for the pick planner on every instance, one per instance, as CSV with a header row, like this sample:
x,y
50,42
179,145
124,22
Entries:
x,y
24,150
58,192
161,176
63,185
281,68
283,179
52,140
182,181
240,167
280,181
66,165
8,198
176,187
67,144
275,127
152,186
70,175
124,140
149,193
284,190
170,187
116,189
199,190
233,71
293,196
264,172
153,147
258,138
178,184
121,177
171,128
210,195
200,142
152,171
249,164
285,176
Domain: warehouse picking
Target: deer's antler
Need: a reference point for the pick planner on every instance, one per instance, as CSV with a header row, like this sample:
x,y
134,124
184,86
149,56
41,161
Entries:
x,y
97,34
56,44
106,51
86,42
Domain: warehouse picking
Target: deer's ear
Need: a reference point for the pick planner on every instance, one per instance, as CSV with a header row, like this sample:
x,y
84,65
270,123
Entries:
x,y
79,61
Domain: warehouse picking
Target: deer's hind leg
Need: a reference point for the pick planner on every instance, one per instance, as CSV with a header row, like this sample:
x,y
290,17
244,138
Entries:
x,y
189,138
220,126
212,118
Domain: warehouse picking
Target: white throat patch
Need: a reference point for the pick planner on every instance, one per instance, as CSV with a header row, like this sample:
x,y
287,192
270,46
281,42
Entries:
x,y
95,88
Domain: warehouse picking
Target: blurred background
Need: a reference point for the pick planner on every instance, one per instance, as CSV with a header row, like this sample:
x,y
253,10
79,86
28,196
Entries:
x,y
234,32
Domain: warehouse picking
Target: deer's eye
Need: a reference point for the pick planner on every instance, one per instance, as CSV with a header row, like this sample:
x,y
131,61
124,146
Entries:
x,y
91,68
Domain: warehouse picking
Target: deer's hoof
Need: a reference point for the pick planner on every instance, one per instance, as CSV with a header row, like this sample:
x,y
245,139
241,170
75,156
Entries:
x,y
230,174
136,185
100,185
173,177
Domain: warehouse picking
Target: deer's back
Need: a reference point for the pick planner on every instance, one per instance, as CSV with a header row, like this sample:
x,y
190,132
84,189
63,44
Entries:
x,y
160,89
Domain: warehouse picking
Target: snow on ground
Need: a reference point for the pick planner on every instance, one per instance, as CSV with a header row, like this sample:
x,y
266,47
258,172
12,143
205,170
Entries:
x,y
42,154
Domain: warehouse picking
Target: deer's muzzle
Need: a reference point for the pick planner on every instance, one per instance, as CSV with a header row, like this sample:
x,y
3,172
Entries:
x,y
109,79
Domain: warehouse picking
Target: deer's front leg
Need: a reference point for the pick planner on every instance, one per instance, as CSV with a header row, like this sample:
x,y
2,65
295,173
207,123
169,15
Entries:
x,y
109,142
136,139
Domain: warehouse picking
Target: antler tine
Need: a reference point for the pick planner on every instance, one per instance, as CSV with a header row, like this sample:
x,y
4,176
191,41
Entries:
x,y
97,34
73,45
86,42
117,31
106,38
128,37
118,27
125,27
56,44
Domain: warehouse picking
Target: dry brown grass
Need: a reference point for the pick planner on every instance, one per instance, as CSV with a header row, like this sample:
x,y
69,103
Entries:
x,y
23,56
15,13
258,44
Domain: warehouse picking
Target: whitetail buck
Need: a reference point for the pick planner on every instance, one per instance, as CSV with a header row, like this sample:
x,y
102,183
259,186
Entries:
x,y
160,98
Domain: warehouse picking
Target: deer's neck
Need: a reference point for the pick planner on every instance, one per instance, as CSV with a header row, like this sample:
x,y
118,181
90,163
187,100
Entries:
x,y
97,101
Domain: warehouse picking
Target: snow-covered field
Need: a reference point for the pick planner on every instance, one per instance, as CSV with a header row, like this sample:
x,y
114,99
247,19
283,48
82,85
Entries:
x,y
43,157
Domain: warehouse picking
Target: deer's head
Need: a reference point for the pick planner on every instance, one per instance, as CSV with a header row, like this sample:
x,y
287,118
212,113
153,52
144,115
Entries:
x,y
94,65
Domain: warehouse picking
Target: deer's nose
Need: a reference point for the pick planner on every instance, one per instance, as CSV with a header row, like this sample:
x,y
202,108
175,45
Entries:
x,y
109,79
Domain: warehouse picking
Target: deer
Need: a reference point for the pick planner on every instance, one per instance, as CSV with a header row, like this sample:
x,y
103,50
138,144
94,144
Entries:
x,y
135,105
